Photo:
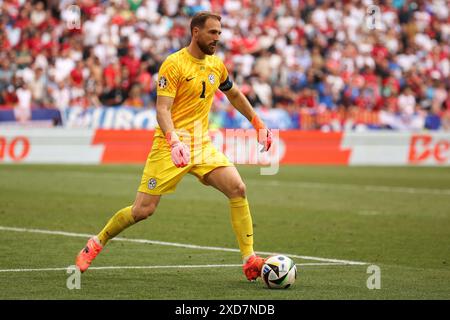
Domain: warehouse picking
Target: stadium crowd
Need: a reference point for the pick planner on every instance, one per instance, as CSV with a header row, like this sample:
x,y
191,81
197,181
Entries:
x,y
323,62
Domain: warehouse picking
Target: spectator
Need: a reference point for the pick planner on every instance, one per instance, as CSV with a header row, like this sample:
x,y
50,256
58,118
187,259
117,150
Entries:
x,y
144,78
60,96
112,96
22,110
9,97
23,56
134,99
38,14
262,90
407,102
38,87
6,72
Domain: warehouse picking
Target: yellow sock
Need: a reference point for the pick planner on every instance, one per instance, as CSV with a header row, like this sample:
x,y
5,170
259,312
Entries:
x,y
241,221
119,222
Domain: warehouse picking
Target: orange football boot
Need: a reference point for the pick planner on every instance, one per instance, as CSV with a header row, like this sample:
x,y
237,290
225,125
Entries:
x,y
87,254
252,268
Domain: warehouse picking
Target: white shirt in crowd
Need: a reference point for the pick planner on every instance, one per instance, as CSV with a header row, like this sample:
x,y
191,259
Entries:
x,y
406,103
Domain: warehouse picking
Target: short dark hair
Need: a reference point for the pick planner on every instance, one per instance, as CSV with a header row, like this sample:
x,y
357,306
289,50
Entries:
x,y
199,19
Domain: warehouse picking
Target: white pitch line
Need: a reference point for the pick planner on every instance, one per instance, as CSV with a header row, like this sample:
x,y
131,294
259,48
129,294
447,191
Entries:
x,y
126,267
175,244
156,267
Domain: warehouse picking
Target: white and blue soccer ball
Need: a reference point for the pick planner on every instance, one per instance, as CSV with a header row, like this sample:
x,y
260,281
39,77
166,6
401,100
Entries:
x,y
279,272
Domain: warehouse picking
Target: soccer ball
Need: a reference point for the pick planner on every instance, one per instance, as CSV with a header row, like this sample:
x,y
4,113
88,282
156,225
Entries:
x,y
279,272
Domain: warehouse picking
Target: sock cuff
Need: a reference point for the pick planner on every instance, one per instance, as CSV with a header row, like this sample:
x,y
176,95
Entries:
x,y
238,202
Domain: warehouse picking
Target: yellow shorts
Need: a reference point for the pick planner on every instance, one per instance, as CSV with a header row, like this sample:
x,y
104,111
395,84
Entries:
x,y
160,175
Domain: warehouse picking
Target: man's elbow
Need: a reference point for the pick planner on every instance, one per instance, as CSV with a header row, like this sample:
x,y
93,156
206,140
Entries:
x,y
233,94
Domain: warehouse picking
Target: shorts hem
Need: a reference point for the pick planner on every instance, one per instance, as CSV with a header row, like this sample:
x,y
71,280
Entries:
x,y
155,193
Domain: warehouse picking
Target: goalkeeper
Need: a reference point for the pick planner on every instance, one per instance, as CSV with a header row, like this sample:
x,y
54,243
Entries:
x,y
187,81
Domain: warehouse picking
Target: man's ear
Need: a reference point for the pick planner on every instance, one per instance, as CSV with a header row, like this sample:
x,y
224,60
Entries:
x,y
195,31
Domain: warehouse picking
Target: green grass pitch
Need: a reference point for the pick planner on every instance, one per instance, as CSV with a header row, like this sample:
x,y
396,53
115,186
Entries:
x,y
397,218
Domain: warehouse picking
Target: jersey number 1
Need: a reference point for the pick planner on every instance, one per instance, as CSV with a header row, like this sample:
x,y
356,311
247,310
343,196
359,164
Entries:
x,y
203,89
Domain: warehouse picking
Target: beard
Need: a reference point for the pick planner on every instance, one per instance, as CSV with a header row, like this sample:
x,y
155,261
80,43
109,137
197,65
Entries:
x,y
208,49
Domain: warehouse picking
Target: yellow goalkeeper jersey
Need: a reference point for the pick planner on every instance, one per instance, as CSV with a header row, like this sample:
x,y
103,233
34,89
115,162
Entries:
x,y
192,83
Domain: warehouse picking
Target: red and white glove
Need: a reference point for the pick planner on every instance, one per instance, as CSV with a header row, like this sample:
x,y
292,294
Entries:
x,y
264,135
180,152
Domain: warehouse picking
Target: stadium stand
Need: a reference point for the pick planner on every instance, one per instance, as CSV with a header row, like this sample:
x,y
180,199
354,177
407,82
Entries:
x,y
310,65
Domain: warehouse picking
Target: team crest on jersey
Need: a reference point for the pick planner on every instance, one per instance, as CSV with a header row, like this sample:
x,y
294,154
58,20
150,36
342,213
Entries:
x,y
211,78
162,83
152,183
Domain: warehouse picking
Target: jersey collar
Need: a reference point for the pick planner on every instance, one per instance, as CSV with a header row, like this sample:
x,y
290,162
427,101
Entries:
x,y
194,59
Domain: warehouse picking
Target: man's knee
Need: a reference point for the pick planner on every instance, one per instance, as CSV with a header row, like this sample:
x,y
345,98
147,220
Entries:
x,y
239,190
143,211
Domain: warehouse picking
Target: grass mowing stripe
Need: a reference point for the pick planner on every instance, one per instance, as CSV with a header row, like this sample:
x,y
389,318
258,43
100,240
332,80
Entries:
x,y
174,244
272,183
353,187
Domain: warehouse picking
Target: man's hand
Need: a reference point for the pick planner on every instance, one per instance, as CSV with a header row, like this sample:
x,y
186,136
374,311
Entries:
x,y
265,138
180,152
264,135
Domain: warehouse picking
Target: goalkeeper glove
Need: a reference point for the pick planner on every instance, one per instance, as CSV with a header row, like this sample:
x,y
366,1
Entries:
x,y
180,152
264,135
